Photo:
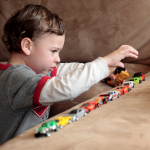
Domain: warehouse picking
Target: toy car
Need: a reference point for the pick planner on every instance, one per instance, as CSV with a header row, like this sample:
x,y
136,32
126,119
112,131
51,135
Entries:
x,y
46,128
108,97
52,125
130,83
62,121
114,94
119,69
123,89
139,74
120,74
42,131
88,106
77,113
136,80
100,101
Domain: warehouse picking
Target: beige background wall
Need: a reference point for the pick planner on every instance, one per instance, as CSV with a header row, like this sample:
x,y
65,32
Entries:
x,y
94,28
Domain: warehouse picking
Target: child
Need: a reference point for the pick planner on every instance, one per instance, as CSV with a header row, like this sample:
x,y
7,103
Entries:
x,y
29,85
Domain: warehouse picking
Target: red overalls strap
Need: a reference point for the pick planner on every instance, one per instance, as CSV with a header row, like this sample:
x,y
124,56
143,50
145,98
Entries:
x,y
40,110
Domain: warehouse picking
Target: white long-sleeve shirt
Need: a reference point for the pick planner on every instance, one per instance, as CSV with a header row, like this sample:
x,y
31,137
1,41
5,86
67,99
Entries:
x,y
73,79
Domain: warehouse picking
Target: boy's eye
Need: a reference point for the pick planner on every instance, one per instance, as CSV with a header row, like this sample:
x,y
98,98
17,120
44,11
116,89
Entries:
x,y
54,51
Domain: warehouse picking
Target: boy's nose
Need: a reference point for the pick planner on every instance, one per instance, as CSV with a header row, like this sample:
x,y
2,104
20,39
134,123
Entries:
x,y
57,60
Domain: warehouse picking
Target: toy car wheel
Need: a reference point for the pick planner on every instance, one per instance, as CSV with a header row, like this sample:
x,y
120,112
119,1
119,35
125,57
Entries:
x,y
60,127
57,128
123,93
105,101
133,85
95,107
85,114
88,111
140,81
98,105
77,119
70,121
118,96
129,90
37,135
47,134
144,79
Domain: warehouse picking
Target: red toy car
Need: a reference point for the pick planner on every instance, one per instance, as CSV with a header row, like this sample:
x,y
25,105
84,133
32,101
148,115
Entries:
x,y
139,74
88,106
123,89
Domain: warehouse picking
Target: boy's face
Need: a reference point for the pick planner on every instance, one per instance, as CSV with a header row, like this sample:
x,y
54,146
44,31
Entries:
x,y
45,53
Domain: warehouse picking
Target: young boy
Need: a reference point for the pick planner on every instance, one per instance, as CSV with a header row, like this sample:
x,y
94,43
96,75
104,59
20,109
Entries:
x,y
29,84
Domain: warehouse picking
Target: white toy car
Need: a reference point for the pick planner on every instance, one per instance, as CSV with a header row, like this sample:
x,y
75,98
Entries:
x,y
77,113
130,83
114,94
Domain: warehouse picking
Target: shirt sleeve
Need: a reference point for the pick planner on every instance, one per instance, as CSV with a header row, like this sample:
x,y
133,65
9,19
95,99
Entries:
x,y
80,78
66,68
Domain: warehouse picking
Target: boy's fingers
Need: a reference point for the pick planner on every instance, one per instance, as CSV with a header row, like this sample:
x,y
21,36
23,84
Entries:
x,y
119,64
133,51
128,54
128,49
112,76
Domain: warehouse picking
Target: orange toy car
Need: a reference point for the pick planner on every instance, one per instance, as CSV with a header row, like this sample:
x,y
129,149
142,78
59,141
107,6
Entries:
x,y
120,74
88,106
100,101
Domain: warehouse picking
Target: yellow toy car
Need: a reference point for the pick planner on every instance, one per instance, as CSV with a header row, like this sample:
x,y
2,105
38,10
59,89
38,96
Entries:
x,y
62,121
120,74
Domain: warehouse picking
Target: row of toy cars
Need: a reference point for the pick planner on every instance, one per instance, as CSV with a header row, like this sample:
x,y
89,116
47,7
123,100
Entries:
x,y
121,75
76,114
58,123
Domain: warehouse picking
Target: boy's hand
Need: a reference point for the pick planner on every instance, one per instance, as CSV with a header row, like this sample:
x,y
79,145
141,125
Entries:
x,y
114,58
111,74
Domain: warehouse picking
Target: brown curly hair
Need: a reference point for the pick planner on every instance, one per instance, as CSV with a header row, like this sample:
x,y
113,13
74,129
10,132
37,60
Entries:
x,y
30,21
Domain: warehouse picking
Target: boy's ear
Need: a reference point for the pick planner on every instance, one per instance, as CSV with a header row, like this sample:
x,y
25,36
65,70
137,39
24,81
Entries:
x,y
26,45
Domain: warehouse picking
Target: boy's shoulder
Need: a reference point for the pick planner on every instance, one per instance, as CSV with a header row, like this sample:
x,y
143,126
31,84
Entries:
x,y
18,70
18,73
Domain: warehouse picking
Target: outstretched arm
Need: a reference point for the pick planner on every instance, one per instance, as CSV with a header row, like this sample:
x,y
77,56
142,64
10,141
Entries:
x,y
69,86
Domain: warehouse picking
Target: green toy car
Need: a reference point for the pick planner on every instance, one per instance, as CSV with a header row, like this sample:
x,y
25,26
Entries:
x,y
42,131
136,80
46,128
52,125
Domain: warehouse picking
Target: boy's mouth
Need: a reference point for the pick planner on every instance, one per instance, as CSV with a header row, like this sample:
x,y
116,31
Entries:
x,y
51,68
